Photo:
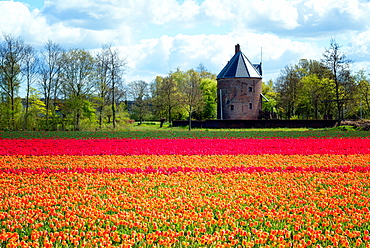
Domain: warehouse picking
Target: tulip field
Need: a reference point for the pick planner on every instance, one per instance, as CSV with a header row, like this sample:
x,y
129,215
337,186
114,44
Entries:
x,y
185,191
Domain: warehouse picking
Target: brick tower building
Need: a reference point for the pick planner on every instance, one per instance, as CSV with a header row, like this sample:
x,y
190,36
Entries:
x,y
239,89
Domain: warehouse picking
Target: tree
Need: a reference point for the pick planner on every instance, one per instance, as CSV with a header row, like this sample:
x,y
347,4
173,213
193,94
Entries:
x,y
30,73
50,71
287,85
78,77
363,85
116,67
269,92
309,96
167,94
208,85
316,90
337,63
102,82
36,110
305,90
139,91
204,73
12,54
192,98
209,92
172,94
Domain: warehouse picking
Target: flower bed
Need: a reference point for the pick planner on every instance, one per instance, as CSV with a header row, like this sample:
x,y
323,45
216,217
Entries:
x,y
183,146
185,193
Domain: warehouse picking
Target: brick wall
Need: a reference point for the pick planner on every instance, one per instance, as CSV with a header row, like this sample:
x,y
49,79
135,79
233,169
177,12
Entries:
x,y
239,98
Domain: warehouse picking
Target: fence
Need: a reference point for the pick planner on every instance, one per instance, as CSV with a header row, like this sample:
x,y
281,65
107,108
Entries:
x,y
258,123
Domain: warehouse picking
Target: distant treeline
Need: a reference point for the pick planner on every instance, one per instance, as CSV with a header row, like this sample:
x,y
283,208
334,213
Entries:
x,y
325,89
81,90
78,89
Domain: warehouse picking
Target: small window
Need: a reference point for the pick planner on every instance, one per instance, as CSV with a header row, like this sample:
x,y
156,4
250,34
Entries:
x,y
232,107
250,105
250,89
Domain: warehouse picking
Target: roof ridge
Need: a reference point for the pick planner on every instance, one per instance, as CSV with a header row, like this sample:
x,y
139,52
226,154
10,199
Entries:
x,y
239,66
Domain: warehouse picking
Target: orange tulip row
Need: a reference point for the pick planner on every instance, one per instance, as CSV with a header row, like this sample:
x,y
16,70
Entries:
x,y
184,209
190,161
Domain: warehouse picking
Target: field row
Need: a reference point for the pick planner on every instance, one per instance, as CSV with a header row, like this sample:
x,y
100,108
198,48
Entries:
x,y
183,146
115,163
87,202
185,193
173,133
193,209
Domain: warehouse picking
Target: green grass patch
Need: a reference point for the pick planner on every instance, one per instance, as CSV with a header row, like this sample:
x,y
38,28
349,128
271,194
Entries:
x,y
152,131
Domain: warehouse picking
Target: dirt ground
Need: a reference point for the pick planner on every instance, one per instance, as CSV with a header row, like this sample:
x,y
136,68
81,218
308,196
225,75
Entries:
x,y
360,124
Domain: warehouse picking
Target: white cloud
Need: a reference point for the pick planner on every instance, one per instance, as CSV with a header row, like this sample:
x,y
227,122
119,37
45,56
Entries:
x,y
354,7
287,30
257,14
123,21
217,11
275,12
254,15
160,56
132,12
332,16
173,12
360,44
357,66
16,19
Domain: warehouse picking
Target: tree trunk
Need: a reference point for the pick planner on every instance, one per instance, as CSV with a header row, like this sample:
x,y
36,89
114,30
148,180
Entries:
x,y
12,111
101,117
25,124
113,103
113,114
337,98
170,115
77,127
47,105
190,118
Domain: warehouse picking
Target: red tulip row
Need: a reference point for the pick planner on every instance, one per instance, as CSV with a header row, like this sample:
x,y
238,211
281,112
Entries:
x,y
183,146
172,170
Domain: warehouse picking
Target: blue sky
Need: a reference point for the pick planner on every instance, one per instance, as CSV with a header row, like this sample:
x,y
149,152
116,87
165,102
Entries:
x,y
158,36
34,4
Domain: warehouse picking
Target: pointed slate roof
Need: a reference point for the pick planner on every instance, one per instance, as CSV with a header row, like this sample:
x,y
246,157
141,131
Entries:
x,y
240,67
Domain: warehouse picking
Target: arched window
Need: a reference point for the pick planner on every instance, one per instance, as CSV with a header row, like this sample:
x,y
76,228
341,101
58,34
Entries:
x,y
250,105
231,107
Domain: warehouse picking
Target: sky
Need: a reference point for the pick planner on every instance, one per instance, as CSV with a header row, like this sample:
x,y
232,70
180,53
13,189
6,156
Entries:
x,y
156,37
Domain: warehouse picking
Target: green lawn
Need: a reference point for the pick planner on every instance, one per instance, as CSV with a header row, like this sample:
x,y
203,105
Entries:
x,y
152,130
